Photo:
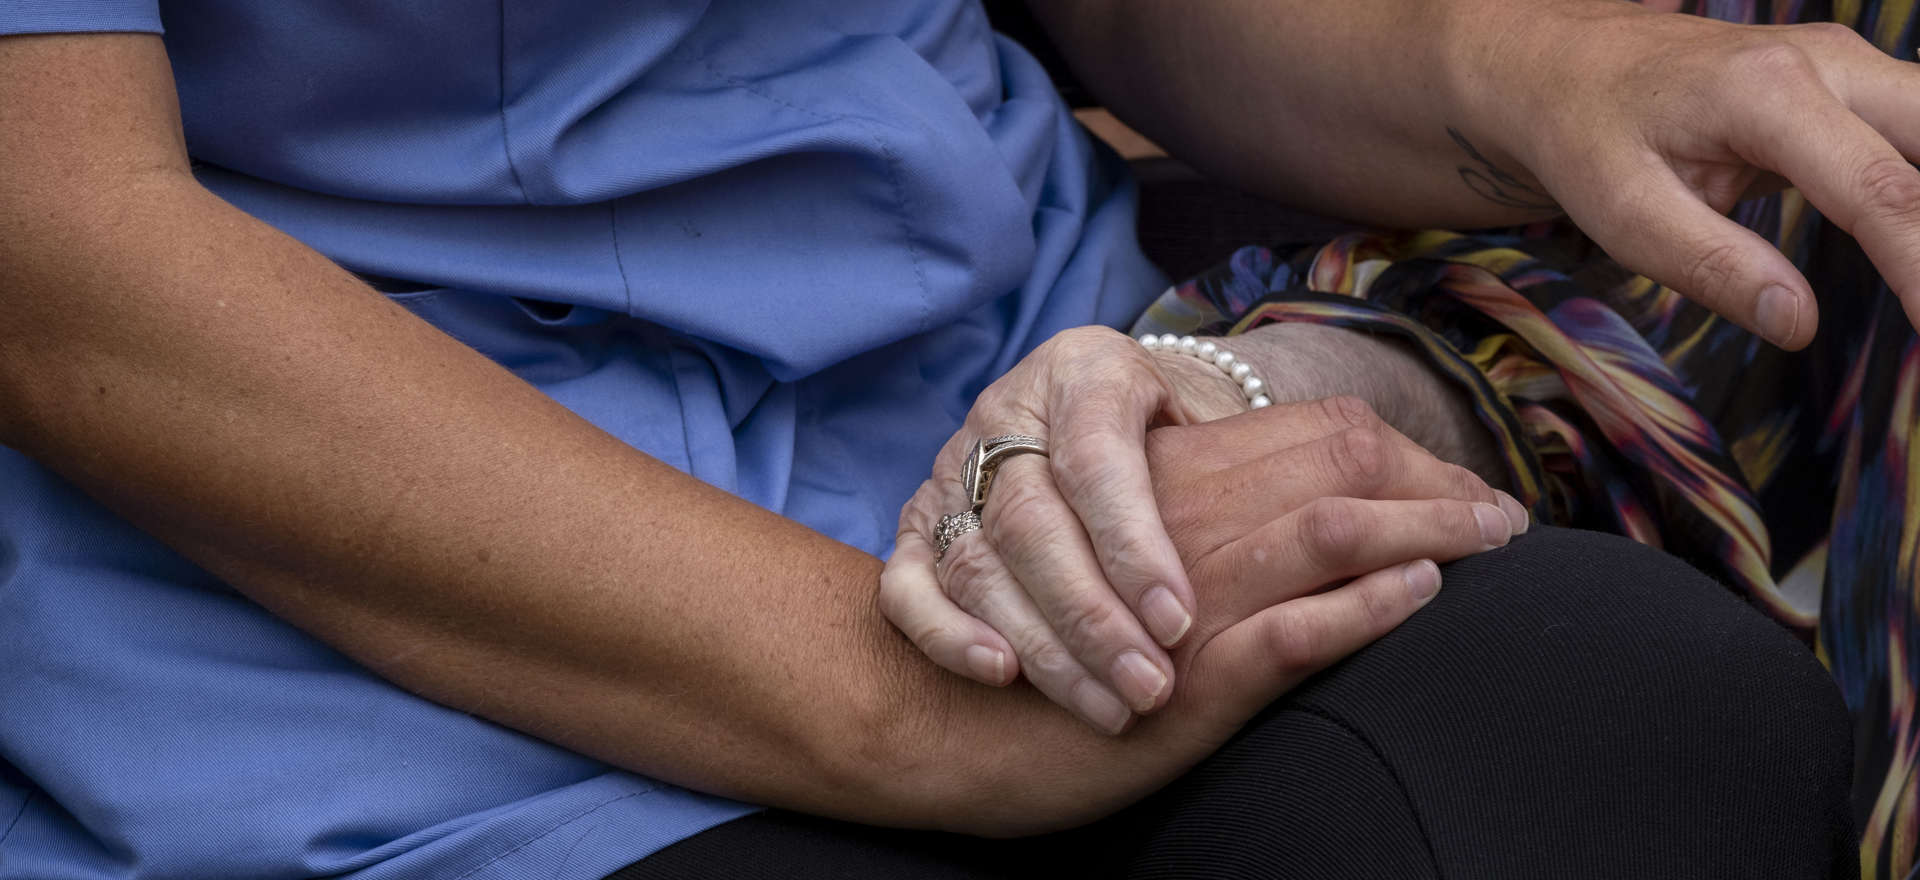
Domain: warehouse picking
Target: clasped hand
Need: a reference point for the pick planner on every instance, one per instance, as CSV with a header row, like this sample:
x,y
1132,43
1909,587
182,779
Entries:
x,y
1129,559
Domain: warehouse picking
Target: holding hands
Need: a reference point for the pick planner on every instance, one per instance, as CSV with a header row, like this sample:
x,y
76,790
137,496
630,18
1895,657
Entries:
x,y
1094,559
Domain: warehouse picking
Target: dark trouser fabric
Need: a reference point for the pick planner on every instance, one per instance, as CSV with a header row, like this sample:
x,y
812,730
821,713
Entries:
x,y
1572,705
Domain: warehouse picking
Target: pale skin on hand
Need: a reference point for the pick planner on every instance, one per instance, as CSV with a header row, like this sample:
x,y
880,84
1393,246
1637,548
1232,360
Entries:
x,y
975,607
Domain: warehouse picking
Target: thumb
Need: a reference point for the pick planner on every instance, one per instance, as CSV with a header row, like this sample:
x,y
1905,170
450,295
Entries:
x,y
1252,663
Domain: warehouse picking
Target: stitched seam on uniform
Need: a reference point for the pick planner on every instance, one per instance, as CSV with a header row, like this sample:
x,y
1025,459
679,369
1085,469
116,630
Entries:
x,y
506,141
674,362
1426,837
619,262
547,833
24,802
900,215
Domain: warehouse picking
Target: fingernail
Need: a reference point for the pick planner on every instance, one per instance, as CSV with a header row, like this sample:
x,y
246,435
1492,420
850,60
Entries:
x,y
1165,616
1423,579
1778,314
1139,680
1100,708
1516,512
1495,528
987,664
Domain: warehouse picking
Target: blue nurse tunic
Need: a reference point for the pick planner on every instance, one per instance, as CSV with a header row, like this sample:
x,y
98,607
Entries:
x,y
778,245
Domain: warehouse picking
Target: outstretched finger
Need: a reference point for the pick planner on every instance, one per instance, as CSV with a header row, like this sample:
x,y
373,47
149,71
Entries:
x,y
1376,463
1654,224
1849,171
1333,539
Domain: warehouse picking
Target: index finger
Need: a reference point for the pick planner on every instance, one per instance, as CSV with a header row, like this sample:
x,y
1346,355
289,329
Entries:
x,y
1852,174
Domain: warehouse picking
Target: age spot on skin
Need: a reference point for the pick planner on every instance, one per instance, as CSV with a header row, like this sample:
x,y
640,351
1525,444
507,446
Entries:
x,y
484,555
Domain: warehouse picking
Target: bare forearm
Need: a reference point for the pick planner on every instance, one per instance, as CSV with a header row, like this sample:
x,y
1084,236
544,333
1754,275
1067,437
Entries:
x,y
1349,108
394,493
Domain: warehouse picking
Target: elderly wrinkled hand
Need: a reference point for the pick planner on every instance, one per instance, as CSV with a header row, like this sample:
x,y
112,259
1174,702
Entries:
x,y
1078,575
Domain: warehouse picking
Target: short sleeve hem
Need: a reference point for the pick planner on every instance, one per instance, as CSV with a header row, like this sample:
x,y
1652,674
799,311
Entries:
x,y
79,16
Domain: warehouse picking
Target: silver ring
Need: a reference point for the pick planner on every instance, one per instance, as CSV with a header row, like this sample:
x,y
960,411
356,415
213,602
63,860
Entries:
x,y
952,526
977,474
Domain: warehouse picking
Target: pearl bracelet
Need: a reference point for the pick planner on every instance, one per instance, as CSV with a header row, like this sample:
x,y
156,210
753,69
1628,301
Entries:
x,y
1252,387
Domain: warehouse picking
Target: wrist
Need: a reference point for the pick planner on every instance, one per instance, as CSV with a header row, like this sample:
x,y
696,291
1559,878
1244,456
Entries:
x,y
1204,390
1305,361
1513,65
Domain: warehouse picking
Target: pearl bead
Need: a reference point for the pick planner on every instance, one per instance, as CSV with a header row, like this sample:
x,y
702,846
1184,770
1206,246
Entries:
x,y
1223,360
1206,350
1168,340
1188,344
1149,341
1240,371
1253,387
1260,402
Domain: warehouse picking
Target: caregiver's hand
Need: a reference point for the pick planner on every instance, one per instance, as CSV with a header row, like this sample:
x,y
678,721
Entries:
x,y
1647,127
977,601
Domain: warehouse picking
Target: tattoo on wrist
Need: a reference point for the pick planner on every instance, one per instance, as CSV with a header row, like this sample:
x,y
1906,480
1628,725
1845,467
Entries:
x,y
1496,185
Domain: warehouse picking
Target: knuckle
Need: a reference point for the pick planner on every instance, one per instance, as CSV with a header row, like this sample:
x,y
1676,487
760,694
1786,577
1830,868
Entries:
x,y
1380,608
1349,411
1770,61
1466,484
1019,507
1085,466
1091,334
991,398
1047,660
1130,554
1087,624
1712,272
1293,642
1830,34
1890,188
1458,521
970,572
1330,530
1362,459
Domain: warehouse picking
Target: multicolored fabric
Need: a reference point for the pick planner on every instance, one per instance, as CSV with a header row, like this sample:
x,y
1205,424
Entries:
x,y
1620,406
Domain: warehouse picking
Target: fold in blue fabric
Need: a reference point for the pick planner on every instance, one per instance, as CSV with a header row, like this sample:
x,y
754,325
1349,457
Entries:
x,y
780,246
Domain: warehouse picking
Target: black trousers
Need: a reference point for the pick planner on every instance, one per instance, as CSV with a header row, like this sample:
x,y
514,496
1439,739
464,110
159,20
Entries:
x,y
1572,705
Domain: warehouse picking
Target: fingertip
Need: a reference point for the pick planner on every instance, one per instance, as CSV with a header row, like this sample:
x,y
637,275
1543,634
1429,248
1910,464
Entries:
x,y
1423,579
987,665
1494,525
1100,708
1141,681
1778,316
1515,511
1166,617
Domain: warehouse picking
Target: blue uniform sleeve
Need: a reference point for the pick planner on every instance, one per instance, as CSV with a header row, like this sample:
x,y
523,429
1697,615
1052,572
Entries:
x,y
78,16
